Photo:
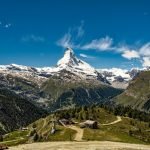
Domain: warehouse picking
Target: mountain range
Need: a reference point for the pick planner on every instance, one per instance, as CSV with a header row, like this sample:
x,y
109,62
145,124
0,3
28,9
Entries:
x,y
116,77
72,82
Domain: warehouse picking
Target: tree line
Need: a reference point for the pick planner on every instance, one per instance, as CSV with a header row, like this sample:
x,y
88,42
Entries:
x,y
92,112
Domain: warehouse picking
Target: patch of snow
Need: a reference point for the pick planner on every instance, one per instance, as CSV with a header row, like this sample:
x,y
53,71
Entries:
x,y
115,72
71,63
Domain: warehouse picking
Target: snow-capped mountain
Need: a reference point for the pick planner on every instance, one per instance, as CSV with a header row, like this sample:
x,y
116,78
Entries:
x,y
69,67
69,64
120,78
72,79
28,73
73,64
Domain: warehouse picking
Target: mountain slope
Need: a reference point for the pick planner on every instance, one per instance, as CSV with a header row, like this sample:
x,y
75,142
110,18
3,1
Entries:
x,y
137,94
63,94
72,82
16,112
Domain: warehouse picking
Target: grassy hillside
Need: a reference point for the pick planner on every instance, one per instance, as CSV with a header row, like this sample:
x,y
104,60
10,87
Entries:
x,y
43,129
126,130
137,94
16,112
39,131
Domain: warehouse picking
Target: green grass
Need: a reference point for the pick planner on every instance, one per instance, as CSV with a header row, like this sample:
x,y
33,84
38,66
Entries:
x,y
62,134
128,131
104,117
15,138
120,132
43,128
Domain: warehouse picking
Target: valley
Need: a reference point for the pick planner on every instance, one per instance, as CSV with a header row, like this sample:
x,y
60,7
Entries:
x,y
34,100
75,74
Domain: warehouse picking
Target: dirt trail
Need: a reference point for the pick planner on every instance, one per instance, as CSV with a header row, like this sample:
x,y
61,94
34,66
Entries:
x,y
44,124
114,122
91,145
79,134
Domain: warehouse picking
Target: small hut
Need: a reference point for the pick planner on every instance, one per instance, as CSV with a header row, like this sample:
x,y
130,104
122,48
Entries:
x,y
24,128
89,124
64,121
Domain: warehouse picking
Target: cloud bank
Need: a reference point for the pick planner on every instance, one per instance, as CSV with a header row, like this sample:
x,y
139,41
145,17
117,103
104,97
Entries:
x,y
86,56
72,36
103,44
130,54
99,44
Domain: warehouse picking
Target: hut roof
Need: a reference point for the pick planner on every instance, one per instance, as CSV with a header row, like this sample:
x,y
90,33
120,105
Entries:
x,y
89,122
64,119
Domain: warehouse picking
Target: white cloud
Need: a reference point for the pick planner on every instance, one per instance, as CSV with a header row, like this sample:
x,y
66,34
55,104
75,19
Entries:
x,y
99,44
130,54
83,55
145,50
33,38
142,54
71,37
86,56
146,61
80,30
65,41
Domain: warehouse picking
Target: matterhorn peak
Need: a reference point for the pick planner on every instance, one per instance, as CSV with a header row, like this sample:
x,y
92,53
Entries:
x,y
68,59
72,64
69,50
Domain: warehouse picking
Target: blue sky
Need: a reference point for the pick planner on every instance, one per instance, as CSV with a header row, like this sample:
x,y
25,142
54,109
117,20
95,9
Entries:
x,y
104,33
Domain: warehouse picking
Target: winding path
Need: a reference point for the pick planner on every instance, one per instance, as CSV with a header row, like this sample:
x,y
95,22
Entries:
x,y
114,122
79,134
44,124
